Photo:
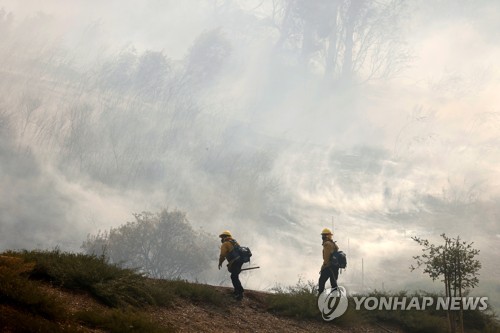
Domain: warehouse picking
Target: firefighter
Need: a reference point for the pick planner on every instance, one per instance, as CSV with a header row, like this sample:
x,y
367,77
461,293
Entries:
x,y
328,270
234,262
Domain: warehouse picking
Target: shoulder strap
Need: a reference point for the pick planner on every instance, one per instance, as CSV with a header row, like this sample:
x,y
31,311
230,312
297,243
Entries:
x,y
234,243
234,253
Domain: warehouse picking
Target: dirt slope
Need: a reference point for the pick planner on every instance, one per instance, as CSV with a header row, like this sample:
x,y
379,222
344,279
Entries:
x,y
249,315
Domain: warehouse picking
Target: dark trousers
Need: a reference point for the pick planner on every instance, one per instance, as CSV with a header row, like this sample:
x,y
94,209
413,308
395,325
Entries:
x,y
328,273
235,270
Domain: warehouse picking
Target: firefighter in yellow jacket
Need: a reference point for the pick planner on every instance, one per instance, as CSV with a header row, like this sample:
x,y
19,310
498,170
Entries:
x,y
234,262
328,270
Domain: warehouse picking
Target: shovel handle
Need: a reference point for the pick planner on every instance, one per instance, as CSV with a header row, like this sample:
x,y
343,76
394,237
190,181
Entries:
x,y
249,268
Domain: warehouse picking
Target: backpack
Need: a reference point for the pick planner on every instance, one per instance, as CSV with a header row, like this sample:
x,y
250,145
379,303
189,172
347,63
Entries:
x,y
241,252
338,259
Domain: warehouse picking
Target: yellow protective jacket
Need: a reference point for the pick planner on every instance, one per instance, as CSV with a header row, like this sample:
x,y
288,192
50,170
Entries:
x,y
226,247
328,248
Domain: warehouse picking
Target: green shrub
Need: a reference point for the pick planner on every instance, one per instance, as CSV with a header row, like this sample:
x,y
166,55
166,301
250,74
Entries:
x,y
481,321
108,283
74,270
298,301
18,290
193,291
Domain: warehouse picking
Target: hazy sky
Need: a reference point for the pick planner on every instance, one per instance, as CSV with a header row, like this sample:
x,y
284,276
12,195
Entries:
x,y
414,154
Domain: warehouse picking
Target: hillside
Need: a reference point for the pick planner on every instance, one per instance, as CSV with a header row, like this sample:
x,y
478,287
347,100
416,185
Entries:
x,y
250,315
62,292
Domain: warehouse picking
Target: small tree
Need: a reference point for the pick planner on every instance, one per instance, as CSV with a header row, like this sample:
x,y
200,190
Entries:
x,y
162,245
454,262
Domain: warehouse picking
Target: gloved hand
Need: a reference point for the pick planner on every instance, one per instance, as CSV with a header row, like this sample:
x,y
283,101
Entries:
x,y
220,265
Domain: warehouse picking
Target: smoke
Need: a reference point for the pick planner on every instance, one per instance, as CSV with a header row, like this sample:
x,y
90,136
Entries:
x,y
207,107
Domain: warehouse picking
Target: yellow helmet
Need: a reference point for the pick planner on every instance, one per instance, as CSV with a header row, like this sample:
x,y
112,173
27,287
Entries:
x,y
326,231
225,233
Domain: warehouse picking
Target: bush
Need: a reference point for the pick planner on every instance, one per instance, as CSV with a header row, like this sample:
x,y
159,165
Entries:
x,y
301,301
193,291
18,290
26,308
298,301
109,284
